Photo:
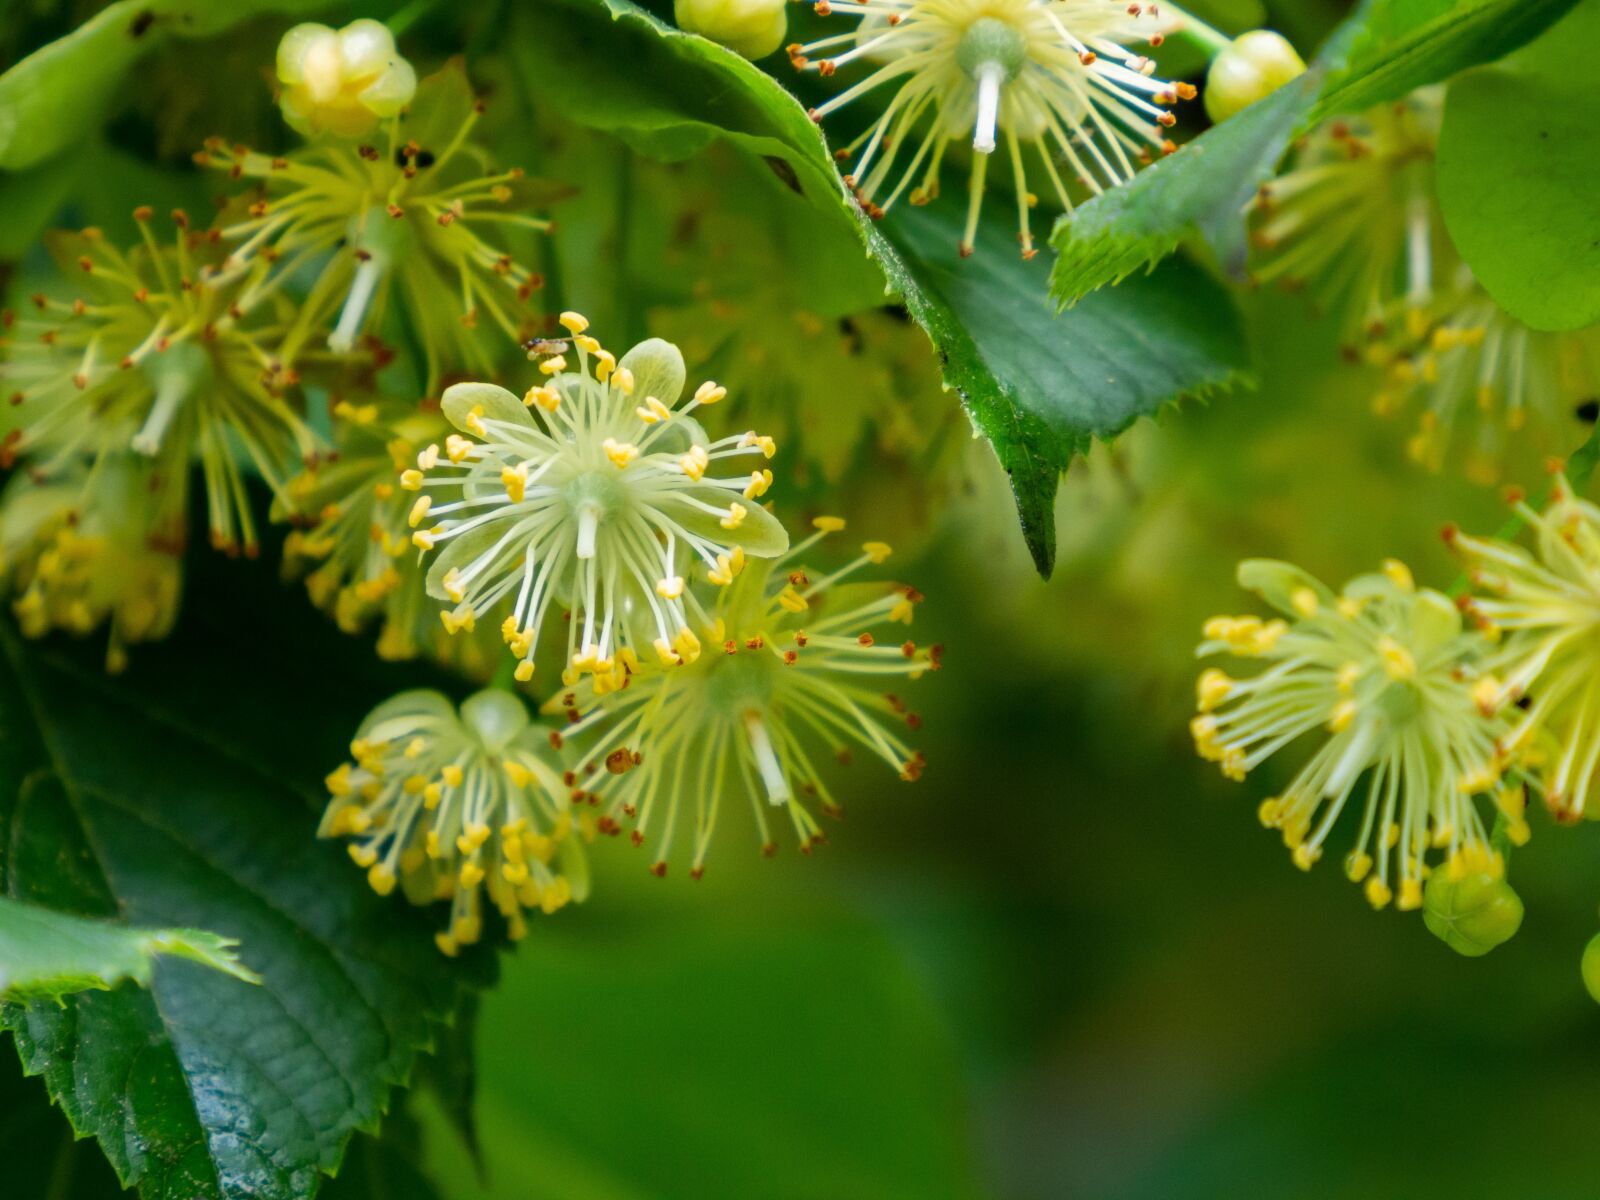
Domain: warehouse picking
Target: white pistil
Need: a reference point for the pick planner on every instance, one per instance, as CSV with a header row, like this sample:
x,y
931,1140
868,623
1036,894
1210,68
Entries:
x,y
588,527
343,338
766,759
989,77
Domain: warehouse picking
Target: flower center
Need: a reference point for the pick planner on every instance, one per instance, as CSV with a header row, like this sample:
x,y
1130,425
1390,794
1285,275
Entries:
x,y
592,496
742,683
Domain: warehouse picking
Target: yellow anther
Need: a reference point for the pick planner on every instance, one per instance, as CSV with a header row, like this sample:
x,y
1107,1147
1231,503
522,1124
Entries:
x,y
474,422
1357,865
424,539
670,588
1344,714
1397,660
620,453
471,875
653,411
1410,895
1399,574
573,322
735,517
792,601
695,462
666,654
1349,675
454,622
586,343
760,481
828,524
523,671
1304,601
1486,695
413,785
432,796
876,551
419,510
381,877
709,393
687,645
1378,893
451,774
553,365
411,479
546,398
428,459
363,854
515,480
516,772
1305,855
604,364
622,379
1212,688
453,586
458,447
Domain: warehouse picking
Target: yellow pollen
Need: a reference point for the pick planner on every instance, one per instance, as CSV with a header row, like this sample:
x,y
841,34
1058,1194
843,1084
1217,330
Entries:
x,y
1397,660
694,463
828,524
735,517
573,322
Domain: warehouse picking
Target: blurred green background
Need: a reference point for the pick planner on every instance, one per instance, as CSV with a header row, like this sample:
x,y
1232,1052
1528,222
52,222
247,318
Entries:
x,y
1068,962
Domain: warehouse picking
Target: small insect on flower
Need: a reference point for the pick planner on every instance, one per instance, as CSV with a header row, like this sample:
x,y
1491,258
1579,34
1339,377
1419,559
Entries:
x,y
352,540
410,222
1388,672
90,548
790,659
1055,74
596,490
1542,610
1355,218
452,804
168,350
1481,376
342,81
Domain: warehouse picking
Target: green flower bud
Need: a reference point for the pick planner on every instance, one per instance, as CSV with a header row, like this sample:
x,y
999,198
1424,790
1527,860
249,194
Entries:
x,y
1591,967
1474,914
753,28
1252,66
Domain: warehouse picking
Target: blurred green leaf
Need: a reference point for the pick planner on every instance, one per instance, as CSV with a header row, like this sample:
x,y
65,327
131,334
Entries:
x,y
164,797
1517,158
749,1056
387,1167
1042,386
42,1157
1386,50
46,954
59,93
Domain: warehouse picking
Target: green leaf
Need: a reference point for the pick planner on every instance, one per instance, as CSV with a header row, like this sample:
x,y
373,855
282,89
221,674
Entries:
x,y
180,794
1386,50
1041,386
46,954
59,93
1516,168
772,1055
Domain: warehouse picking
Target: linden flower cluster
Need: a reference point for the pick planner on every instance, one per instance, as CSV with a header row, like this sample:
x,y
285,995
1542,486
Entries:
x,y
1387,676
1357,221
1057,76
790,658
1542,609
595,489
412,221
454,805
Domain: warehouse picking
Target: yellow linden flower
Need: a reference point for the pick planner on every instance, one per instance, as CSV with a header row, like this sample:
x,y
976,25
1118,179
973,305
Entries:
x,y
452,805
342,81
790,659
1384,672
1057,76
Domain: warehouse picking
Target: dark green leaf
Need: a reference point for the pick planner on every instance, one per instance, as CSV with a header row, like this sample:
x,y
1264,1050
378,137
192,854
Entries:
x,y
1386,50
1041,386
46,954
180,795
1516,176
42,1158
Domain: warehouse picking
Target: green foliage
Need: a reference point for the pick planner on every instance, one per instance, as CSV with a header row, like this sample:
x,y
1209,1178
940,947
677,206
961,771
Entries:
x,y
1386,50
1516,170
1040,387
787,1053
57,95
46,955
167,798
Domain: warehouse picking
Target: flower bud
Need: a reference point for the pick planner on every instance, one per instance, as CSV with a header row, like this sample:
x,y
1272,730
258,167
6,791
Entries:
x,y
753,28
1252,66
1474,914
342,81
1591,967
